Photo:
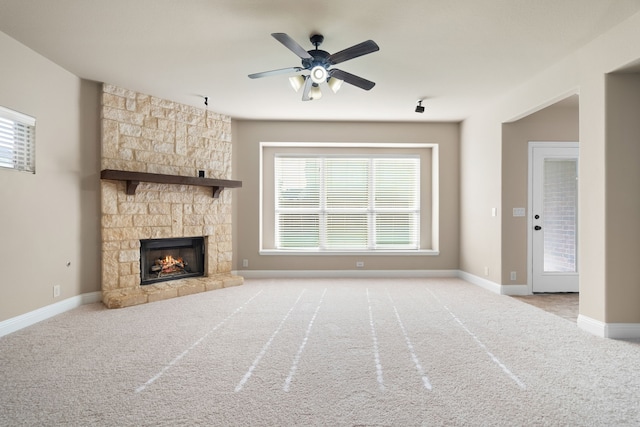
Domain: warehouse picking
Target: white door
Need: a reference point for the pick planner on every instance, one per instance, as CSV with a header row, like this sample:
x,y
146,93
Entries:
x,y
553,221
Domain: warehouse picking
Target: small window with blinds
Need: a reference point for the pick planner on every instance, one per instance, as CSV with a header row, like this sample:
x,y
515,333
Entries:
x,y
347,202
17,141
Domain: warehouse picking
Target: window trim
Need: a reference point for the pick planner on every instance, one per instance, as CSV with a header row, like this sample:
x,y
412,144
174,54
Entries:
x,y
433,251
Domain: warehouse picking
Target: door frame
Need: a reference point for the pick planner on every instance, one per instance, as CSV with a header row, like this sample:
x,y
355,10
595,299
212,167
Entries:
x,y
532,145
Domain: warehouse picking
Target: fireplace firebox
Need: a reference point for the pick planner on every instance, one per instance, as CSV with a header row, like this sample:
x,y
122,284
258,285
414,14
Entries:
x,y
171,259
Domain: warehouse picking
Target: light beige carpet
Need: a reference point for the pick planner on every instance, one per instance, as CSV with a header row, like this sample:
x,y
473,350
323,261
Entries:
x,y
339,352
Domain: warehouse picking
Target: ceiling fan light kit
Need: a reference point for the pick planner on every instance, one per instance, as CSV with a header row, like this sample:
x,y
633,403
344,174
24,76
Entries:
x,y
318,64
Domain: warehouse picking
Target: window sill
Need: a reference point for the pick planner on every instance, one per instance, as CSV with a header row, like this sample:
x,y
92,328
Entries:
x,y
280,252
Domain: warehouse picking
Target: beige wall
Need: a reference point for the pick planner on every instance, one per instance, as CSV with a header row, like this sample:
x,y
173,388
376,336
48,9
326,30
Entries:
x,y
550,124
480,193
51,218
623,198
248,135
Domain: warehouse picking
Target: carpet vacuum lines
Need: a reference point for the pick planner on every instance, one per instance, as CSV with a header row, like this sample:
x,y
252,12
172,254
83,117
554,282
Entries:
x,y
414,357
481,344
194,345
376,351
260,355
296,359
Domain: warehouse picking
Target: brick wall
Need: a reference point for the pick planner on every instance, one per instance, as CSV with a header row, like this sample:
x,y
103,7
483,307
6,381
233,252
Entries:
x,y
560,210
142,133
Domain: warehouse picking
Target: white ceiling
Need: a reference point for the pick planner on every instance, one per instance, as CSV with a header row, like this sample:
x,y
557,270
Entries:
x,y
457,54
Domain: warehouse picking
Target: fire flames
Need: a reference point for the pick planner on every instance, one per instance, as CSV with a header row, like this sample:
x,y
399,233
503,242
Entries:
x,y
168,265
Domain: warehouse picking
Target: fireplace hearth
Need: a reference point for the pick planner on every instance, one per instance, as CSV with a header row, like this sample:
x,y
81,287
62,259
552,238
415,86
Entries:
x,y
162,260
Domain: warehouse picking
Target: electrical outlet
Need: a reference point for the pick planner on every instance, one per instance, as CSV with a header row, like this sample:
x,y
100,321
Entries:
x,y
56,291
359,264
245,263
513,275
486,271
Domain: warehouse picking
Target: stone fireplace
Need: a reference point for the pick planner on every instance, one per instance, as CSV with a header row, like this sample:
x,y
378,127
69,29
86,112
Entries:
x,y
148,135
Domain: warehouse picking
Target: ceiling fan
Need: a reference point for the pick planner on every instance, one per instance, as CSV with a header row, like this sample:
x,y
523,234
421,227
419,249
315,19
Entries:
x,y
318,63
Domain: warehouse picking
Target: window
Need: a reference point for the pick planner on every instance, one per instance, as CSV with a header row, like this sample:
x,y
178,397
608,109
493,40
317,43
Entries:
x,y
351,202
346,198
17,141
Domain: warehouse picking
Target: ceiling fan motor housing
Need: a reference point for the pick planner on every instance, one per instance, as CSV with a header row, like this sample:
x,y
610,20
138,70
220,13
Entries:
x,y
319,57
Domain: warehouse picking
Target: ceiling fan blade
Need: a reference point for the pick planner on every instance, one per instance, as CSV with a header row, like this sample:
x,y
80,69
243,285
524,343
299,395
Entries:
x,y
306,90
275,72
360,49
352,79
292,45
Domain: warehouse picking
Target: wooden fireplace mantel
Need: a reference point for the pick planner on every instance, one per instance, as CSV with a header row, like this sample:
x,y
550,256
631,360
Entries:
x,y
134,178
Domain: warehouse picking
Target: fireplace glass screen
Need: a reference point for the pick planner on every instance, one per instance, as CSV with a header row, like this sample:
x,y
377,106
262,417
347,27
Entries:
x,y
170,259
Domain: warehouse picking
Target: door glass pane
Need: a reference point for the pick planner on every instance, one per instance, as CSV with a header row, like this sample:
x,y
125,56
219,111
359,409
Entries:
x,y
560,198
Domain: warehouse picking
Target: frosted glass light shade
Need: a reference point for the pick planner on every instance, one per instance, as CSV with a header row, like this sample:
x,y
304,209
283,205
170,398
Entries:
x,y
296,82
315,92
335,84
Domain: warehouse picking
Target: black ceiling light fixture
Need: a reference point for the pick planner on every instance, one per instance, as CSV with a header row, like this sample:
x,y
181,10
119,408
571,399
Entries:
x,y
318,64
419,107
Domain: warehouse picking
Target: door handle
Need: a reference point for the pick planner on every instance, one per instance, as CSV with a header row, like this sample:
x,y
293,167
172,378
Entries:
x,y
537,227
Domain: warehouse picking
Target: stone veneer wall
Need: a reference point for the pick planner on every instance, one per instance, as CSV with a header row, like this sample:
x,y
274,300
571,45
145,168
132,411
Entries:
x,y
142,133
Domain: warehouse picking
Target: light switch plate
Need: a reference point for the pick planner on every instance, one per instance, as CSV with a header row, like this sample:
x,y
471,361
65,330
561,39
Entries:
x,y
518,211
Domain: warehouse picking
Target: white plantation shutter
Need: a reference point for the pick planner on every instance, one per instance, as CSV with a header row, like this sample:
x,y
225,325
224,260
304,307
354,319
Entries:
x,y
347,202
17,141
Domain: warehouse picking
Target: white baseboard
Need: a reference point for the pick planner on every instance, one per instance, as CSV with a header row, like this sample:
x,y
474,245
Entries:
x,y
274,274
493,286
16,323
476,280
609,330
595,327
